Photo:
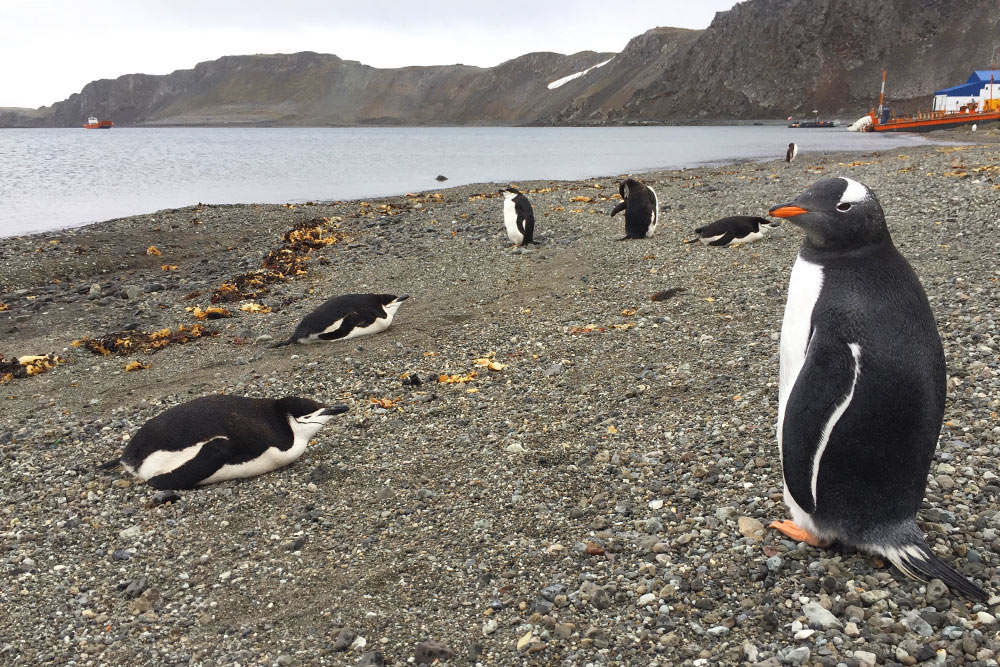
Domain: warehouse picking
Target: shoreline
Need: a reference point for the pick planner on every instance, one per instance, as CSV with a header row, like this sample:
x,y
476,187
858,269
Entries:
x,y
601,498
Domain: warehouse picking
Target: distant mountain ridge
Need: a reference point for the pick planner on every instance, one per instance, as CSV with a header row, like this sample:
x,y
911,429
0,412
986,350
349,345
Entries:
x,y
761,59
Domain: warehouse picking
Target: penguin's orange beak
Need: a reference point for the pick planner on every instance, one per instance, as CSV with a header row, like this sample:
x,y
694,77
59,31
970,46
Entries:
x,y
786,211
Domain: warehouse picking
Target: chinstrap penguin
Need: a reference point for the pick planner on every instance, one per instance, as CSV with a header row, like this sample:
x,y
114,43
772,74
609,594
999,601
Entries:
x,y
518,218
347,316
734,230
219,437
861,386
641,209
792,151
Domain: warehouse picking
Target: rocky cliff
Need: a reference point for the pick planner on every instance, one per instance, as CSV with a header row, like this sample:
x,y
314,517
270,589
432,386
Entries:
x,y
761,59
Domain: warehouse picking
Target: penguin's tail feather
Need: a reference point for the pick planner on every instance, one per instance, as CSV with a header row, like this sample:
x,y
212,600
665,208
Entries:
x,y
694,240
107,465
282,343
915,559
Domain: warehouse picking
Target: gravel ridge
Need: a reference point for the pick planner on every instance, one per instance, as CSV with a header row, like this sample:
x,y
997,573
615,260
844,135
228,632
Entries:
x,y
602,498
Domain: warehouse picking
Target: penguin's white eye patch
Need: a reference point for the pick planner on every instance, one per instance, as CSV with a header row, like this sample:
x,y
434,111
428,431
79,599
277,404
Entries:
x,y
844,206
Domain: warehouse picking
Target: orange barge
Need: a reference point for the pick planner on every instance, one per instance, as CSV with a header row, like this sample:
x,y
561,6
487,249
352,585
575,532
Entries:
x,y
974,102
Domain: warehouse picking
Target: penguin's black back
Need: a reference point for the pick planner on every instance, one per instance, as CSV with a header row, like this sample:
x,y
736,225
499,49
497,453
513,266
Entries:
x,y
250,424
640,208
876,460
737,225
358,310
525,217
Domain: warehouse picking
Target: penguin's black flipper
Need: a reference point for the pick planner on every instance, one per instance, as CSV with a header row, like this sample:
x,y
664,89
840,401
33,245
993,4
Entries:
x,y
617,209
724,240
213,454
282,343
107,465
914,559
830,371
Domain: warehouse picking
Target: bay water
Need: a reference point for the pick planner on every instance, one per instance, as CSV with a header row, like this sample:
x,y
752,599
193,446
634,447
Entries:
x,y
55,178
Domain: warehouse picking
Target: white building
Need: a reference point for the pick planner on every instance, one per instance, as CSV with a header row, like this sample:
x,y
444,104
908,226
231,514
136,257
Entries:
x,y
982,88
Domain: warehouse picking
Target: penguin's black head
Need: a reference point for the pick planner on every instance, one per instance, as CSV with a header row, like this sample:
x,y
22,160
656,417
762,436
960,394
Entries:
x,y
837,213
628,186
513,192
386,299
305,410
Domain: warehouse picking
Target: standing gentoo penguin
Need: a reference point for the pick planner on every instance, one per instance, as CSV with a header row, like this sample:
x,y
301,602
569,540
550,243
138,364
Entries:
x,y
346,316
641,209
861,390
734,230
518,218
792,151
220,437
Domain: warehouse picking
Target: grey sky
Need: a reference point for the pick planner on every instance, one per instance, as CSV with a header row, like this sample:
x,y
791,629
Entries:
x,y
52,48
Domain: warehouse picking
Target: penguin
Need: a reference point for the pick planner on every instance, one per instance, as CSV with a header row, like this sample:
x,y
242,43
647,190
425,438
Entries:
x,y
219,437
792,151
734,230
861,390
641,209
346,316
518,218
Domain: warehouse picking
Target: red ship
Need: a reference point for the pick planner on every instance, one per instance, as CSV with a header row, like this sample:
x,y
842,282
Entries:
x,y
94,124
970,103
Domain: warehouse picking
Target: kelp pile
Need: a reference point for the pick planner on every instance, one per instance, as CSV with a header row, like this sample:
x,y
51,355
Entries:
x,y
287,261
124,343
26,366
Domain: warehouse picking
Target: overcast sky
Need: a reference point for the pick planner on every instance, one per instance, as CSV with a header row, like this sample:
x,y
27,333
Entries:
x,y
50,49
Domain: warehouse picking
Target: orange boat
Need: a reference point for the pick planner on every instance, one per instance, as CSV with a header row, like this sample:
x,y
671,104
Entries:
x,y
94,124
973,102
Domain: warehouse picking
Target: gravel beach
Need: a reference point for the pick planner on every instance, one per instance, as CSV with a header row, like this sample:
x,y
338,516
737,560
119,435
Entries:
x,y
600,498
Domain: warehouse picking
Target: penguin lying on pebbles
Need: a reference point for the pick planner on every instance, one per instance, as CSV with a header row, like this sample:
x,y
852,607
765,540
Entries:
x,y
220,437
518,218
347,316
734,230
861,389
641,209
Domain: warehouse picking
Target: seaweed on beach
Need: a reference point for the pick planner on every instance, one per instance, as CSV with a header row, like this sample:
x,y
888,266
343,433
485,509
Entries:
x,y
282,263
124,343
26,366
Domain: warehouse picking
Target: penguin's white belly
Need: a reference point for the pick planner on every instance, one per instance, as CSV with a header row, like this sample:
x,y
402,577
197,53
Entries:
x,y
655,214
163,461
378,325
510,222
749,238
710,239
803,292
271,459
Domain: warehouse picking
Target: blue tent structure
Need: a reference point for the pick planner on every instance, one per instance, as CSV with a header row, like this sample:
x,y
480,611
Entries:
x,y
972,88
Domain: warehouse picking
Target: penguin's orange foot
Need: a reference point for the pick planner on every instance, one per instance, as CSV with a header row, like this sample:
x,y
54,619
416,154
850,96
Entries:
x,y
789,528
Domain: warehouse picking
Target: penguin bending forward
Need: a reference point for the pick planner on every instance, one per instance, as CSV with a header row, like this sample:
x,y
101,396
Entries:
x,y
734,230
518,217
218,437
861,389
792,151
641,209
346,316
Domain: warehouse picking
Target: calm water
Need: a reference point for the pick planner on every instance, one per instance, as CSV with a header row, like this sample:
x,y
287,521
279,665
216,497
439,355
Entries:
x,y
53,178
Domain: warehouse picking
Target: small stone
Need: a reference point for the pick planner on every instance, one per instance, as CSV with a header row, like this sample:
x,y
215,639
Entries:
x,y
914,623
935,591
865,658
490,626
795,656
718,631
431,651
646,600
373,659
136,587
775,563
750,528
523,642
120,554
819,617
851,629
564,630
133,531
344,640
163,497
984,618
148,601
